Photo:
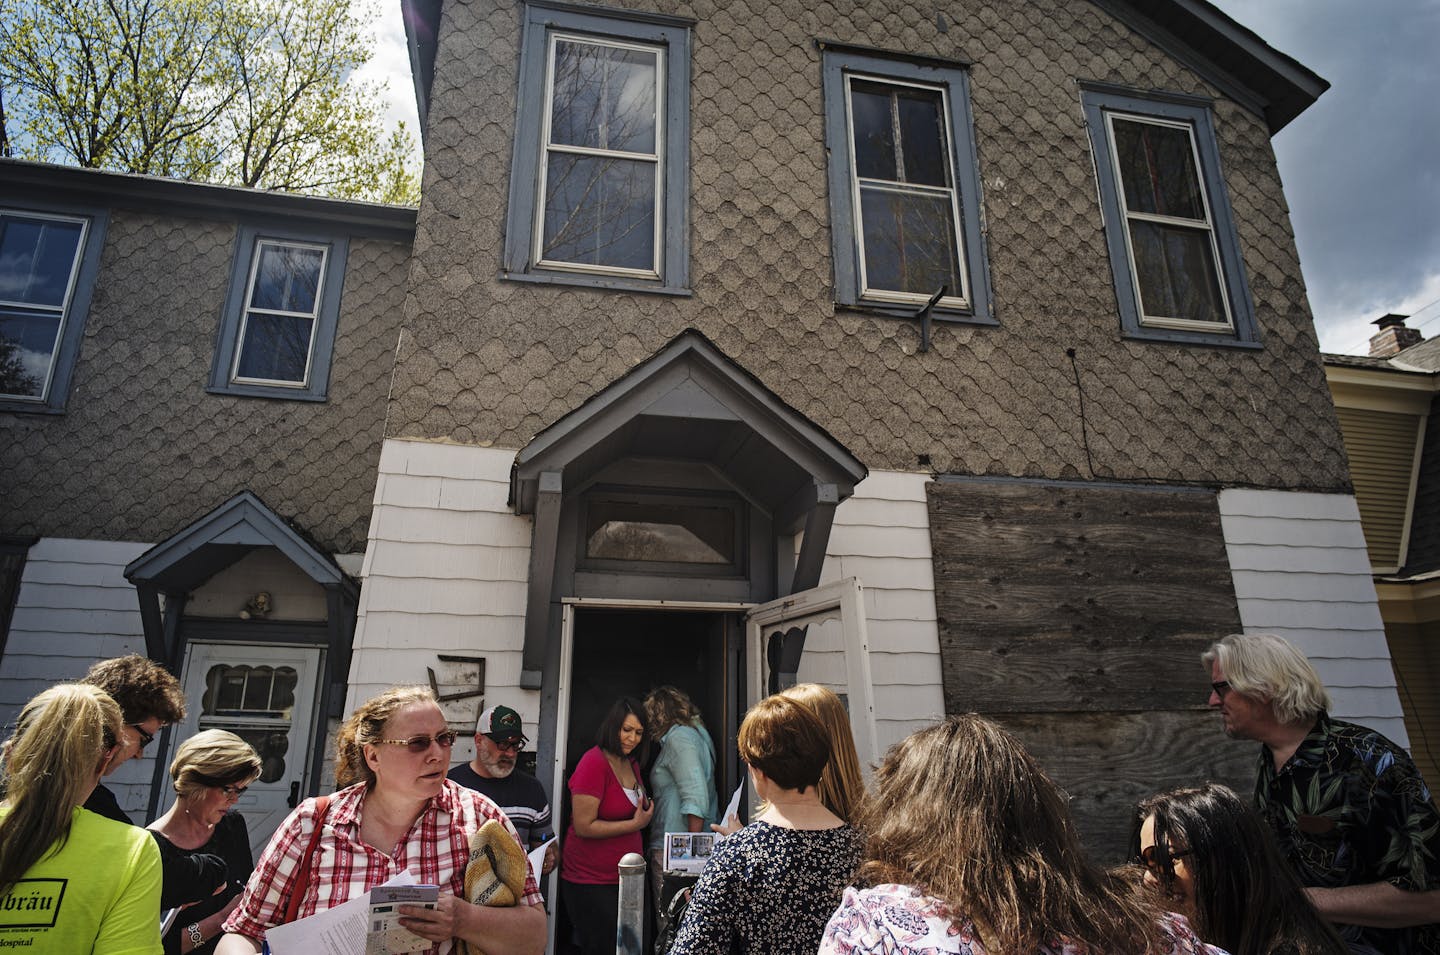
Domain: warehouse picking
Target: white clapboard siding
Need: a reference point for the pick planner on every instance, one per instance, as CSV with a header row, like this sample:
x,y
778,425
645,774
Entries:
x,y
881,535
445,572
75,607
1301,570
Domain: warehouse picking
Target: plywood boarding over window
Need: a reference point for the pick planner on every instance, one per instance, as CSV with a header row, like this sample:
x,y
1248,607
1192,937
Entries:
x,y
1076,616
1381,446
1415,654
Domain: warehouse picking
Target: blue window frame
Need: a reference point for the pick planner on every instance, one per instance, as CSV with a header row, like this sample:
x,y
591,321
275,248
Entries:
x,y
904,186
599,186
277,333
1174,253
49,257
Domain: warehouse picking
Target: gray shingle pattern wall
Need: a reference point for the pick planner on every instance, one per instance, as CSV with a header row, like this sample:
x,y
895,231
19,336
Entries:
x,y
143,449
492,362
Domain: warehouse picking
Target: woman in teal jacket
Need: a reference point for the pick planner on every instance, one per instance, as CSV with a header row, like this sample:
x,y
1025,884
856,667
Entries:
x,y
683,777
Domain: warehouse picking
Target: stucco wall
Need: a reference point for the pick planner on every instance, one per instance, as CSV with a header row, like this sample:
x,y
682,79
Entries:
x,y
487,361
142,449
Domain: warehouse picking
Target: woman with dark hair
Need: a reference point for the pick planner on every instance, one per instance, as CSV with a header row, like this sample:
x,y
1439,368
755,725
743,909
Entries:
x,y
970,849
1215,861
106,873
771,886
397,811
608,808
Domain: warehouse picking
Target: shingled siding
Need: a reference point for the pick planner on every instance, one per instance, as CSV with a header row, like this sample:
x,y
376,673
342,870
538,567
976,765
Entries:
x,y
1301,570
1076,616
74,607
142,449
491,362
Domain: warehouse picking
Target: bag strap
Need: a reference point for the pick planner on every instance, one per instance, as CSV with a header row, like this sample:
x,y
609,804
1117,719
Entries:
x,y
301,882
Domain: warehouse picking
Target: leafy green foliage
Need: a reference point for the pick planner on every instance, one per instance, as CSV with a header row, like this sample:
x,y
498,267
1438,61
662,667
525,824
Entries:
x,y
246,92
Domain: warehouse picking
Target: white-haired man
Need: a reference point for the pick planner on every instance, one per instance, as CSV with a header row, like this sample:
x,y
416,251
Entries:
x,y
1349,810
499,738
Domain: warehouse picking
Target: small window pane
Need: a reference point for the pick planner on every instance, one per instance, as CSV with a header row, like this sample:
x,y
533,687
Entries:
x,y
922,123
288,279
27,344
37,257
604,97
1157,166
1176,269
874,132
651,532
600,211
909,242
275,347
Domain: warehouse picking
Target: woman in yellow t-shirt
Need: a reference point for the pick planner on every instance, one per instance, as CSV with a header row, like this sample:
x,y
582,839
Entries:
x,y
71,881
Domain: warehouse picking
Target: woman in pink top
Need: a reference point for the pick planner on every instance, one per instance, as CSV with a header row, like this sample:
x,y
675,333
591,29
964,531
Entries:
x,y
608,808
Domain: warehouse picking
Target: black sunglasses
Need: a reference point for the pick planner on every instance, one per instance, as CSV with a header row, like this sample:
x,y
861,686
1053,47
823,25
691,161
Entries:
x,y
508,745
1221,687
145,738
1160,863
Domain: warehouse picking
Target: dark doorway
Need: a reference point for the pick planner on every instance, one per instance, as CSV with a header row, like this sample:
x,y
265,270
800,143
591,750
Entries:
x,y
626,652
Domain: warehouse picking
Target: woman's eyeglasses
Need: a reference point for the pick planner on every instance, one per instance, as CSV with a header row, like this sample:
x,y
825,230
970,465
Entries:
x,y
233,793
1159,862
421,744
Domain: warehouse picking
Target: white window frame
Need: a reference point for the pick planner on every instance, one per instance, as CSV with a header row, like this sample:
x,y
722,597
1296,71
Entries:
x,y
247,309
63,310
548,147
962,300
1207,224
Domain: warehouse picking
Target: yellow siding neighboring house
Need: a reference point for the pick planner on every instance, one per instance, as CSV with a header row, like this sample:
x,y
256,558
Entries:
x,y
1383,407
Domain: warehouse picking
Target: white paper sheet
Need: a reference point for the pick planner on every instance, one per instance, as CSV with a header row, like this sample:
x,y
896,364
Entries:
x,y
733,809
337,931
537,858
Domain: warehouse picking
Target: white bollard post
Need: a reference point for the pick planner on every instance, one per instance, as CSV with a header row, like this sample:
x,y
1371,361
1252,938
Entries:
x,y
630,919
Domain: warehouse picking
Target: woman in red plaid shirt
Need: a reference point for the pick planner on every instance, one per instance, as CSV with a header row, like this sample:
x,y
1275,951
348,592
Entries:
x,y
397,812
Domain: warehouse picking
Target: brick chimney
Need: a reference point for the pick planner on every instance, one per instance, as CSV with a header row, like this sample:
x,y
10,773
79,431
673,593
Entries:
x,y
1393,337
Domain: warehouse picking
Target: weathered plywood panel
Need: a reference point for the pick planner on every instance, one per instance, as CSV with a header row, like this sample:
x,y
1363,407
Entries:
x,y
1108,762
1064,598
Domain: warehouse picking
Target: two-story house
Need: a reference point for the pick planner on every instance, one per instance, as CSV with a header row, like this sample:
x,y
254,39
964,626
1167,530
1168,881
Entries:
x,y
956,357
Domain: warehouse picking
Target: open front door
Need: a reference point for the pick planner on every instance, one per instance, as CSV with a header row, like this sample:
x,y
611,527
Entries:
x,y
816,636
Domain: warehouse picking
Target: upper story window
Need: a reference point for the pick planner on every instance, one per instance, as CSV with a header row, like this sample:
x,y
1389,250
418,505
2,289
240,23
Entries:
x,y
1173,249
600,177
48,262
904,186
278,330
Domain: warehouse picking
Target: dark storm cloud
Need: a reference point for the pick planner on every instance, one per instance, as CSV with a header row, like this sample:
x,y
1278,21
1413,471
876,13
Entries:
x,y
1360,166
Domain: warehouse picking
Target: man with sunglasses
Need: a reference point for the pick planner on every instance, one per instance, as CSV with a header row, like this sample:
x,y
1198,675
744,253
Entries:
x,y
150,698
499,738
1350,812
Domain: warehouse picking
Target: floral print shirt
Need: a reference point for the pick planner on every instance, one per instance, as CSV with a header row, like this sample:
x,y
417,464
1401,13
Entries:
x,y
1350,808
768,890
902,920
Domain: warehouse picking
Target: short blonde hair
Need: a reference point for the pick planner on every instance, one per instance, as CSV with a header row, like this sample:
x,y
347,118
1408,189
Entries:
x,y
1270,668
212,758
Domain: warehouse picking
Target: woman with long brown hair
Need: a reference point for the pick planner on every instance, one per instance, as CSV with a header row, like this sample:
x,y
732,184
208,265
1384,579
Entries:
x,y
396,811
1213,859
106,873
970,848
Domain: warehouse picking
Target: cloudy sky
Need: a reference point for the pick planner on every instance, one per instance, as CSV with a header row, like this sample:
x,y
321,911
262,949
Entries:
x,y
1361,167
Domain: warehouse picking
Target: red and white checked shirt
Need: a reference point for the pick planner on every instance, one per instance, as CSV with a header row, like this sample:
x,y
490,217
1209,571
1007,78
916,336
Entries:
x,y
435,850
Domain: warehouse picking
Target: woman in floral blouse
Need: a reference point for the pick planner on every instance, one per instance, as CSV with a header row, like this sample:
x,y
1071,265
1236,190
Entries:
x,y
768,889
970,849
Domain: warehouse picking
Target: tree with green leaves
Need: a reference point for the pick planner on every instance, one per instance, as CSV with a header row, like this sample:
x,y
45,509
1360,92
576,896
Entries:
x,y
246,92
